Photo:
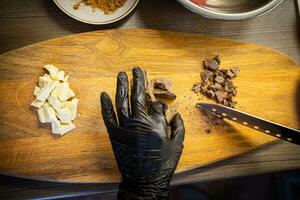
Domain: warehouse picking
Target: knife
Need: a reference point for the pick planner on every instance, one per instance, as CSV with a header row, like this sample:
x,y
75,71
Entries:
x,y
254,122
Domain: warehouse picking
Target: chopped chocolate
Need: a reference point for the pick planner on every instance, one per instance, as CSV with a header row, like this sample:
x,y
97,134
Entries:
x,y
218,59
148,88
217,83
161,83
230,74
235,71
225,102
211,87
219,79
164,94
197,87
158,87
219,73
207,62
211,93
224,71
221,95
205,75
233,91
214,65
218,86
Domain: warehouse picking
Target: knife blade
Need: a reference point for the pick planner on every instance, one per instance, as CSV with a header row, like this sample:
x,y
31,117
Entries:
x,y
254,122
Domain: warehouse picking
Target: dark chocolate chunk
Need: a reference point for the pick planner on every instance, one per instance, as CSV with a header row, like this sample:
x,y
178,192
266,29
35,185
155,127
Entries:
x,y
207,62
210,93
218,59
220,96
218,86
148,88
225,102
233,91
219,79
197,87
214,65
161,83
224,71
219,73
205,75
230,74
212,87
235,71
164,94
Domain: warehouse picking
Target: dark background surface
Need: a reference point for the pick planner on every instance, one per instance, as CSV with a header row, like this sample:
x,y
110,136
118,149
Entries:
x,y
29,21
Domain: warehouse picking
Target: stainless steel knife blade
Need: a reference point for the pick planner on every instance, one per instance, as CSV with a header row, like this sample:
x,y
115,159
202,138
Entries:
x,y
254,122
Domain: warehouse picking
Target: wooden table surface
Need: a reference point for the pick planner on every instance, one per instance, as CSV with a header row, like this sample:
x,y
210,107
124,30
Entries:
x,y
26,22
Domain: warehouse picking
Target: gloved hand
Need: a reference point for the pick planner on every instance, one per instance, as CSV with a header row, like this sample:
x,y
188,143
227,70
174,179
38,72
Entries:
x,y
146,156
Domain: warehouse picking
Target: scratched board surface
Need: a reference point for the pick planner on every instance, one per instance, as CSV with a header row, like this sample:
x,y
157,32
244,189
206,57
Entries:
x,y
266,87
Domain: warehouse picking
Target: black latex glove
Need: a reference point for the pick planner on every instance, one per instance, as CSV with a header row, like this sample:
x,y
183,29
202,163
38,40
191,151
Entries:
x,y
146,157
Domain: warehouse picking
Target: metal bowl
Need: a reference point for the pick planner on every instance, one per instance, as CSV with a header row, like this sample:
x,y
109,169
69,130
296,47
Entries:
x,y
230,9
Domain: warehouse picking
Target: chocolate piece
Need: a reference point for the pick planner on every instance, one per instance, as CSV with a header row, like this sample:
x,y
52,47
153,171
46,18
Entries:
x,y
218,59
235,71
148,88
197,87
158,87
218,86
161,83
219,79
211,87
220,96
219,73
224,71
214,65
230,74
164,94
206,62
205,75
228,83
233,91
225,102
210,93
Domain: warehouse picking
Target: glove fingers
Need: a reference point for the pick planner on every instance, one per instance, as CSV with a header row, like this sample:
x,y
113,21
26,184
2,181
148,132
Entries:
x,y
177,128
108,114
122,102
157,111
138,99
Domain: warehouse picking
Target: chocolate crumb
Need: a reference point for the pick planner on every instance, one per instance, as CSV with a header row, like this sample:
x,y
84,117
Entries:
x,y
207,131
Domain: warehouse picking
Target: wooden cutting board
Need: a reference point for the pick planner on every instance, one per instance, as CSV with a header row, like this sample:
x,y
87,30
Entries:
x,y
266,87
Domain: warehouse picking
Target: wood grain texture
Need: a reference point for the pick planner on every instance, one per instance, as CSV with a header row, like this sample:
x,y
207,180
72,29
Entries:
x,y
93,61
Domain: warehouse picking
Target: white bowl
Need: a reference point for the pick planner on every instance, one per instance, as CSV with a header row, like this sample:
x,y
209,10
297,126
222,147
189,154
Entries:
x,y
87,15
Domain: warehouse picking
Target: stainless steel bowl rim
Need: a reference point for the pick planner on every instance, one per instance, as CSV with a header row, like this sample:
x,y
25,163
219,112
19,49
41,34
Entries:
x,y
229,16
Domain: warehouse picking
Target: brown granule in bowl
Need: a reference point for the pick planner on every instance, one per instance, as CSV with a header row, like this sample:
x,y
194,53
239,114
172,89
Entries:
x,y
107,6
